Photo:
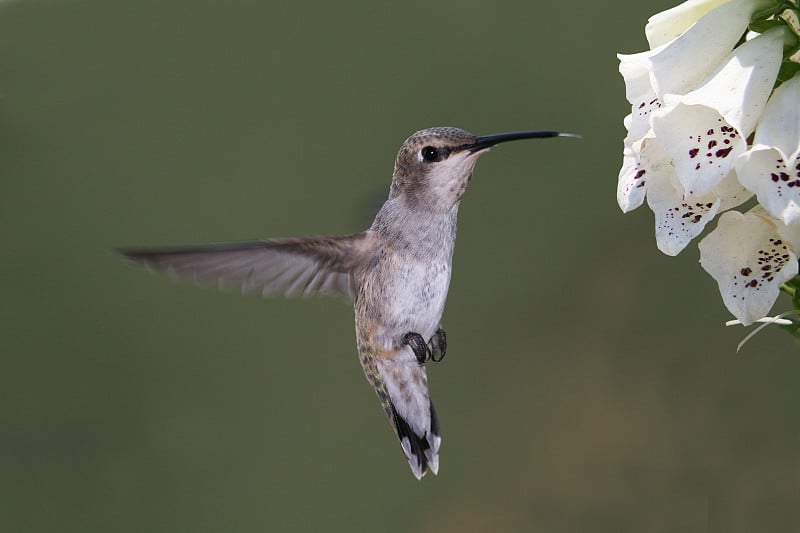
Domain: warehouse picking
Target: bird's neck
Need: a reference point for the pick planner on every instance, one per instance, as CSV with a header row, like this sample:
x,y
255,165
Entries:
x,y
413,229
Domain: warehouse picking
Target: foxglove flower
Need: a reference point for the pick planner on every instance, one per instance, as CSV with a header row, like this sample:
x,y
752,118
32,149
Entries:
x,y
680,217
635,174
749,257
674,67
705,130
663,27
684,62
771,168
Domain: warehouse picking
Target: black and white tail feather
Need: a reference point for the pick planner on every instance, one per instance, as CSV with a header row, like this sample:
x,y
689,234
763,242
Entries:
x,y
402,387
422,452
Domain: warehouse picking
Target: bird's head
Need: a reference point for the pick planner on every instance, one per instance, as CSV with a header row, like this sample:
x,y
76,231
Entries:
x,y
434,166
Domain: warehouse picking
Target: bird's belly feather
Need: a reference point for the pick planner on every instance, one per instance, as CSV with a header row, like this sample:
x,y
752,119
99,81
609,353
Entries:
x,y
409,298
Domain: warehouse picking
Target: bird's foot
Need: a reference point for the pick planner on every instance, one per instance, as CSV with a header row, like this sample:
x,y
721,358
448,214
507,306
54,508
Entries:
x,y
418,346
434,350
437,346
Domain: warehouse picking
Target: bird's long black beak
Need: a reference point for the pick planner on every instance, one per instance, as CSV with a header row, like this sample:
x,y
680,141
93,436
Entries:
x,y
487,141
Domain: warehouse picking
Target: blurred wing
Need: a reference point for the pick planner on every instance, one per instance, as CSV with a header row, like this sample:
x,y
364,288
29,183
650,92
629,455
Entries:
x,y
304,266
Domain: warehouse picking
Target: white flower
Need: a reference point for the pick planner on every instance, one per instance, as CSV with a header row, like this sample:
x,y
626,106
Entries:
x,y
678,56
635,70
696,98
631,184
749,258
684,62
668,25
771,168
679,65
703,131
680,217
636,172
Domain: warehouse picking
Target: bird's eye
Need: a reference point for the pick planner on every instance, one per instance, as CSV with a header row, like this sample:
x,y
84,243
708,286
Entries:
x,y
431,154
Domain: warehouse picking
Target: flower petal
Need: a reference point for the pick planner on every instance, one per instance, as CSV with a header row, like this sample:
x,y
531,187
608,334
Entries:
x,y
740,87
642,161
668,25
779,126
731,192
774,178
790,232
771,168
702,144
631,183
749,260
635,70
687,60
679,219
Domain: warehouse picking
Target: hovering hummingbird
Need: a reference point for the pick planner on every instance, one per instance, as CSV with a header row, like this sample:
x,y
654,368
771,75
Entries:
x,y
397,272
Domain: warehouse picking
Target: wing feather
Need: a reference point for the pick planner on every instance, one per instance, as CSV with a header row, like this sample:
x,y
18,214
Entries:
x,y
303,266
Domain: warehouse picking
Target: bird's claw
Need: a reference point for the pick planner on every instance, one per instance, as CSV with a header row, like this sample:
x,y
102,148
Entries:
x,y
432,351
438,345
418,346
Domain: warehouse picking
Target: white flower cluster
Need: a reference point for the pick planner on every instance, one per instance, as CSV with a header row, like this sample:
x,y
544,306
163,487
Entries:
x,y
706,132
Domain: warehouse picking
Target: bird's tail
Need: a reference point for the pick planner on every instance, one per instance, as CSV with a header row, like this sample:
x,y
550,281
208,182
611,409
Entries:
x,y
402,387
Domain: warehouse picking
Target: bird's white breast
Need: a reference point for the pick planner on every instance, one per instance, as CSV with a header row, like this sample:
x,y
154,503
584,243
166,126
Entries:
x,y
406,289
420,295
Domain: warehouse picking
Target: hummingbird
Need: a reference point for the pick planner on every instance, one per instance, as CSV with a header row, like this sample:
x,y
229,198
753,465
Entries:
x,y
397,274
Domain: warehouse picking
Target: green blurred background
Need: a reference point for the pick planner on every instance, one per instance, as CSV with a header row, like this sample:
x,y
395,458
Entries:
x,y
589,385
